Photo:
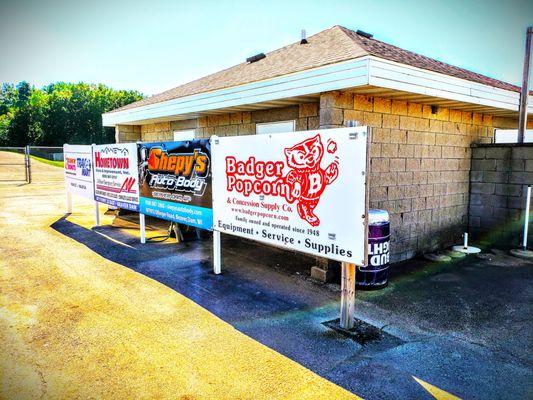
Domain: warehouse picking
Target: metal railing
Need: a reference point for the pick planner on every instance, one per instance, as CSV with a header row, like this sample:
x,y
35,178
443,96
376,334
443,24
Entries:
x,y
44,153
26,162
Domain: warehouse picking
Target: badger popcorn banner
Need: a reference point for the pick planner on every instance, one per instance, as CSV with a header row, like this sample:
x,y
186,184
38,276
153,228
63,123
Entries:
x,y
175,181
300,190
116,175
78,170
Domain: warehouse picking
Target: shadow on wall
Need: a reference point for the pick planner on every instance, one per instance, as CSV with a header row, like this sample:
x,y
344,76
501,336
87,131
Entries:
x,y
499,177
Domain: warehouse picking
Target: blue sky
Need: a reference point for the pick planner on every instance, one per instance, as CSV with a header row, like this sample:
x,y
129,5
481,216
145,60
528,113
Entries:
x,y
156,45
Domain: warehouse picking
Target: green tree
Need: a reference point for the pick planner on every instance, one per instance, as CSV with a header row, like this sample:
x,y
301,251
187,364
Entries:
x,y
58,113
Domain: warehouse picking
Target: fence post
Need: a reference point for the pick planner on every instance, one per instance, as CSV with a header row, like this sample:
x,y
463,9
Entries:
x,y
28,163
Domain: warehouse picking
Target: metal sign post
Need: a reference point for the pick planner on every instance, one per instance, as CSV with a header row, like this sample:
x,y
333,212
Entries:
x,y
522,122
217,264
69,203
142,227
526,218
96,214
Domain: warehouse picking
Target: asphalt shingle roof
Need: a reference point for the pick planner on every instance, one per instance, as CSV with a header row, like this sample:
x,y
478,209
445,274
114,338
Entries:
x,y
330,46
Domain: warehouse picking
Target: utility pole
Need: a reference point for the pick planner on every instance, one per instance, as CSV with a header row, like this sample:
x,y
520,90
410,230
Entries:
x,y
522,122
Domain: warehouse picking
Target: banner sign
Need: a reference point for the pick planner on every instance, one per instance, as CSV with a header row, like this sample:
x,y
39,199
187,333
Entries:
x,y
301,190
116,175
78,170
175,181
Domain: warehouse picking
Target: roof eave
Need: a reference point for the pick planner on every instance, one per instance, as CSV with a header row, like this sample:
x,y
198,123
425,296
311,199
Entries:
x,y
352,74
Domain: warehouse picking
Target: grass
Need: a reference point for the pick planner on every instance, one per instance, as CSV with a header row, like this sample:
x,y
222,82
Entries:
x,y
59,164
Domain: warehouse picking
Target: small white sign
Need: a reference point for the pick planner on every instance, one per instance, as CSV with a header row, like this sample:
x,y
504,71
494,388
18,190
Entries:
x,y
116,175
301,190
78,167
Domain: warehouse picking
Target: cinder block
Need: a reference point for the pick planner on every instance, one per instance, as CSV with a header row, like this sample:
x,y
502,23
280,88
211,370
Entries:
x,y
495,177
399,107
414,110
382,105
407,151
353,115
313,122
426,190
397,164
525,152
508,190
379,165
308,110
517,203
505,165
363,103
455,115
389,150
378,193
434,176
398,136
499,152
484,188
420,177
524,178
246,117
388,178
476,176
235,118
391,121
372,119
435,126
323,275
528,165
483,165
331,116
427,164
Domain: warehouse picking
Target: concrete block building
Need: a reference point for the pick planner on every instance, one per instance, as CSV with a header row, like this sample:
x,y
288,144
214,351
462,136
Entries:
x,y
425,116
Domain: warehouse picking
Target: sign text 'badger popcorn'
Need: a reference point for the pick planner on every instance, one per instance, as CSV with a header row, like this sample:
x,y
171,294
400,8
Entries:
x,y
175,179
115,175
300,190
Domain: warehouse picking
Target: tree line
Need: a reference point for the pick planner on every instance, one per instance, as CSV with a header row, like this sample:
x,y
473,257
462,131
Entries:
x,y
58,113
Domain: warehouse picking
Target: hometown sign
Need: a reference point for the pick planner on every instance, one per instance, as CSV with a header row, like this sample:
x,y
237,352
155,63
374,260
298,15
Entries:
x,y
78,170
301,190
175,181
116,175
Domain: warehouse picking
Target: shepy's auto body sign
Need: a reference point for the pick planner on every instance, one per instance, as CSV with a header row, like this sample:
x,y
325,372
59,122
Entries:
x,y
116,175
78,169
300,190
175,181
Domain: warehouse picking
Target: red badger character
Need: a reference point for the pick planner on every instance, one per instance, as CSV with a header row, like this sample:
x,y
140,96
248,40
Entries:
x,y
307,179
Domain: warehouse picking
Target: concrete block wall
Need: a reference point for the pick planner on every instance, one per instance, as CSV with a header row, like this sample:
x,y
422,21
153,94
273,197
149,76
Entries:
x,y
127,133
420,163
499,176
420,158
239,123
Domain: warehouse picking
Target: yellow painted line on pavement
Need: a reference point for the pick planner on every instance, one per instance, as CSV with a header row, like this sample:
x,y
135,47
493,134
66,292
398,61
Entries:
x,y
74,324
437,393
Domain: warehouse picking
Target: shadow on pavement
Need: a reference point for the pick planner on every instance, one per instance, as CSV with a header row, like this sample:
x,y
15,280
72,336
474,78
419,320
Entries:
x,y
471,317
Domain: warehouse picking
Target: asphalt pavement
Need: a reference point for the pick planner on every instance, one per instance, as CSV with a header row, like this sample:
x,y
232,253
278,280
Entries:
x,y
457,329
